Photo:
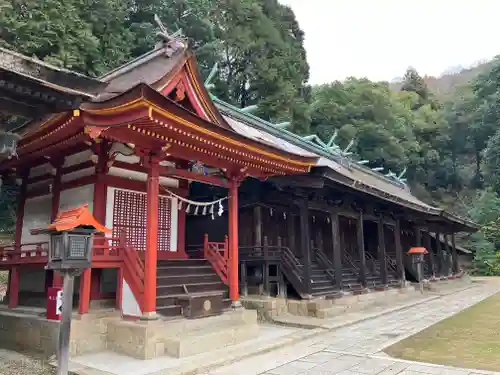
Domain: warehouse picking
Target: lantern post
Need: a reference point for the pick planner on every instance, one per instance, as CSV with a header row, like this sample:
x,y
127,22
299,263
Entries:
x,y
70,253
417,254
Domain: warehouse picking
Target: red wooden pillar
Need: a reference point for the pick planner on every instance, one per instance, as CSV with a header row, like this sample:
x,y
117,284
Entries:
x,y
181,224
14,280
181,235
153,186
84,302
233,242
100,191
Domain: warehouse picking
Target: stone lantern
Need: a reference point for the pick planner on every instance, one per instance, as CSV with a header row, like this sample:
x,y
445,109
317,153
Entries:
x,y
418,257
70,253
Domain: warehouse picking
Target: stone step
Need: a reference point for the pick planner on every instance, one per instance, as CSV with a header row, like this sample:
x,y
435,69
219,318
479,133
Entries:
x,y
183,263
165,290
187,278
183,270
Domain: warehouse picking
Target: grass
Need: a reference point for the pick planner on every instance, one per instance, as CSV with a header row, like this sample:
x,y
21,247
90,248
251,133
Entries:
x,y
469,339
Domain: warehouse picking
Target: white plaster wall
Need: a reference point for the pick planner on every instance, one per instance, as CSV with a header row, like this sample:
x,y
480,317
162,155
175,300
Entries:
x,y
76,197
36,216
129,304
77,174
40,170
174,215
139,176
77,158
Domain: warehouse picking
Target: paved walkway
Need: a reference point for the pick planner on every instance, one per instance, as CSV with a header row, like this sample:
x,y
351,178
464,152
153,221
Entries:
x,y
357,349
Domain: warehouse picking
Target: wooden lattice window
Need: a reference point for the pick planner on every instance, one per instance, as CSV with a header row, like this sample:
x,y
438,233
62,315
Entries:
x,y
129,213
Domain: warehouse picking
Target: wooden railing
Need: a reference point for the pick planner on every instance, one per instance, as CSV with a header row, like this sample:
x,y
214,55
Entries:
x,y
392,265
350,262
106,248
29,253
324,263
217,253
373,264
133,269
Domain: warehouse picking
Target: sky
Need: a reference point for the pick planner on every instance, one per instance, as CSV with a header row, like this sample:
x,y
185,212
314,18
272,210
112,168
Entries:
x,y
379,39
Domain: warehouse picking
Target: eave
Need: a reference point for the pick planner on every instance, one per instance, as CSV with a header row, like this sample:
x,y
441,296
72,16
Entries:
x,y
146,111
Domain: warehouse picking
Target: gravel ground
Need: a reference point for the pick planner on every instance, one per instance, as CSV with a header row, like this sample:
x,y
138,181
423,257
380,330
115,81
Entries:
x,y
14,363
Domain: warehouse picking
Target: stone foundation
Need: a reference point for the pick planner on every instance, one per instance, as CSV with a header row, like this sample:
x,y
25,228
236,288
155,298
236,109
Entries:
x,y
22,329
268,307
181,338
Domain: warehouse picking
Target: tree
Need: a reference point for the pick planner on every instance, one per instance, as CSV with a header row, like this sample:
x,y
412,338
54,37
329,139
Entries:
x,y
492,162
413,82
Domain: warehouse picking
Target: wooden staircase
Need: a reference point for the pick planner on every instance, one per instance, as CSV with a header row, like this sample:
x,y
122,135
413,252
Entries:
x,y
179,278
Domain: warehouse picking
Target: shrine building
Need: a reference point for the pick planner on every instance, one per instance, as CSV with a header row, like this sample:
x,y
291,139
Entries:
x,y
203,200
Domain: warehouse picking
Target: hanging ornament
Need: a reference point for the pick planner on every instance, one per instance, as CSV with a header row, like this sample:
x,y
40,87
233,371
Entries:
x,y
204,210
212,211
221,209
284,215
271,211
179,206
314,219
328,220
188,208
196,210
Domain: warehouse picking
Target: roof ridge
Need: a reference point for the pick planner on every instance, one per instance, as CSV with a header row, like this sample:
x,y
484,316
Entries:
x,y
281,131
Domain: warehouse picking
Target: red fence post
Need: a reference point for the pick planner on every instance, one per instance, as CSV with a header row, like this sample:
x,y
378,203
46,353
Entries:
x,y
14,279
205,245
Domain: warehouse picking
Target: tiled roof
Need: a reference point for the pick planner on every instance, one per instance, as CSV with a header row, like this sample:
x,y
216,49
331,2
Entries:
x,y
77,217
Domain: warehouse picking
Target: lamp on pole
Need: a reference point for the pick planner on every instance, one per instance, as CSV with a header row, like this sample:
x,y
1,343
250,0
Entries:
x,y
70,253
417,254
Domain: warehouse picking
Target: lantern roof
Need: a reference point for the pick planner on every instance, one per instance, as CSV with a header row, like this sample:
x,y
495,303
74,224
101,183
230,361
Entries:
x,y
418,250
77,217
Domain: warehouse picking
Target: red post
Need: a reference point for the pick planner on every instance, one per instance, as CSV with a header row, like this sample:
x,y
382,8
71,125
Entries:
x,y
83,305
14,279
205,245
153,186
181,225
233,242
181,234
99,206
226,248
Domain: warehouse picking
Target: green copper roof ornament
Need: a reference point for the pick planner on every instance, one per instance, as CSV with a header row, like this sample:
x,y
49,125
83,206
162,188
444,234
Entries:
x,y
208,82
283,125
250,108
378,169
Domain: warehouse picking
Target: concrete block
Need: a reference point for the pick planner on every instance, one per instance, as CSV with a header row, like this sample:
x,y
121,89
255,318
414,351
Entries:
x,y
299,308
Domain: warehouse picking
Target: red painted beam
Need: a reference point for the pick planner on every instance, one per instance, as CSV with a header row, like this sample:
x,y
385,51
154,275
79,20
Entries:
x,y
174,172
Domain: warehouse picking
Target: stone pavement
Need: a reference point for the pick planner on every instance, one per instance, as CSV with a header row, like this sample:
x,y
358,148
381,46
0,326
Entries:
x,y
357,349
